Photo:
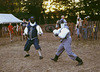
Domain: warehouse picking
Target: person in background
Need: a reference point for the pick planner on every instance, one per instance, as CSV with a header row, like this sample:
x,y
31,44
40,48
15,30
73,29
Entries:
x,y
63,18
3,31
28,21
95,31
6,31
77,24
78,32
85,22
57,24
90,31
84,32
10,29
20,32
24,23
17,29
80,25
14,30
77,20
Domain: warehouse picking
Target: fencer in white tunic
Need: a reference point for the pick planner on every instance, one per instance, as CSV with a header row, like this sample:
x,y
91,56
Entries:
x,y
66,40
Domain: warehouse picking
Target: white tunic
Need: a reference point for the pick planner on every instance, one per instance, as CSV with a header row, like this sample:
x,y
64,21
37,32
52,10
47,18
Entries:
x,y
61,32
39,30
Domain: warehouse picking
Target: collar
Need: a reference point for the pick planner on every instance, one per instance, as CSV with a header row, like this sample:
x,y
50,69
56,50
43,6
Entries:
x,y
33,24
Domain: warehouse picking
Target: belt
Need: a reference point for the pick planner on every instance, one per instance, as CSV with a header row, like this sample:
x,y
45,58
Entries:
x,y
32,38
67,37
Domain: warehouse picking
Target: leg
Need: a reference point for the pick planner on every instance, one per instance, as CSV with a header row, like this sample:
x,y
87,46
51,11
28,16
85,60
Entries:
x,y
60,50
37,47
40,55
67,47
80,62
22,36
27,48
96,35
10,35
72,55
58,53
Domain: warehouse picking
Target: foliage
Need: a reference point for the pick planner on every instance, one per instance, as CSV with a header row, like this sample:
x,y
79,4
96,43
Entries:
x,y
50,11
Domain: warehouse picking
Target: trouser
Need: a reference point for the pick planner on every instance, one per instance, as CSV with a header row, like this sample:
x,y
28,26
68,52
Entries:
x,y
84,33
30,42
78,36
11,35
95,35
66,45
80,29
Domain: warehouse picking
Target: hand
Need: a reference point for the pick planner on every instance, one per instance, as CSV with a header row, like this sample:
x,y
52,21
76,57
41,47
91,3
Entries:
x,y
40,34
26,35
56,35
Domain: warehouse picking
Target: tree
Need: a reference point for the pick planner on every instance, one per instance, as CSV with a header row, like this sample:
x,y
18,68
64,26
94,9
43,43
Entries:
x,y
34,8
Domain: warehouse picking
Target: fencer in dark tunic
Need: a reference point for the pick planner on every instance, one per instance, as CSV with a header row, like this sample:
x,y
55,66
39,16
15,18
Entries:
x,y
32,31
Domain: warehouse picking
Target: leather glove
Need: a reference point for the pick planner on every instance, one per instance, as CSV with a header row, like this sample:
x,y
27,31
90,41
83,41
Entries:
x,y
56,35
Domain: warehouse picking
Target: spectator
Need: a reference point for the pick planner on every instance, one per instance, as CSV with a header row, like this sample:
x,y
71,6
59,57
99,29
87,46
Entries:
x,y
78,32
85,23
76,25
95,31
63,18
89,30
20,32
57,24
84,32
80,25
10,29
3,30
17,30
24,23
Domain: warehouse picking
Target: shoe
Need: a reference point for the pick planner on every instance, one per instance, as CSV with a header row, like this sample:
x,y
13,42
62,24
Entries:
x,y
10,40
27,55
80,62
55,58
41,57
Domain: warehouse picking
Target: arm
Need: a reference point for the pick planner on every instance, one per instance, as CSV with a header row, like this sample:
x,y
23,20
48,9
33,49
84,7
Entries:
x,y
56,32
39,29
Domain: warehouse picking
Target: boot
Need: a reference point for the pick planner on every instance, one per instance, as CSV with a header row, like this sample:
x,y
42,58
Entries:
x,y
27,55
80,62
41,57
55,58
